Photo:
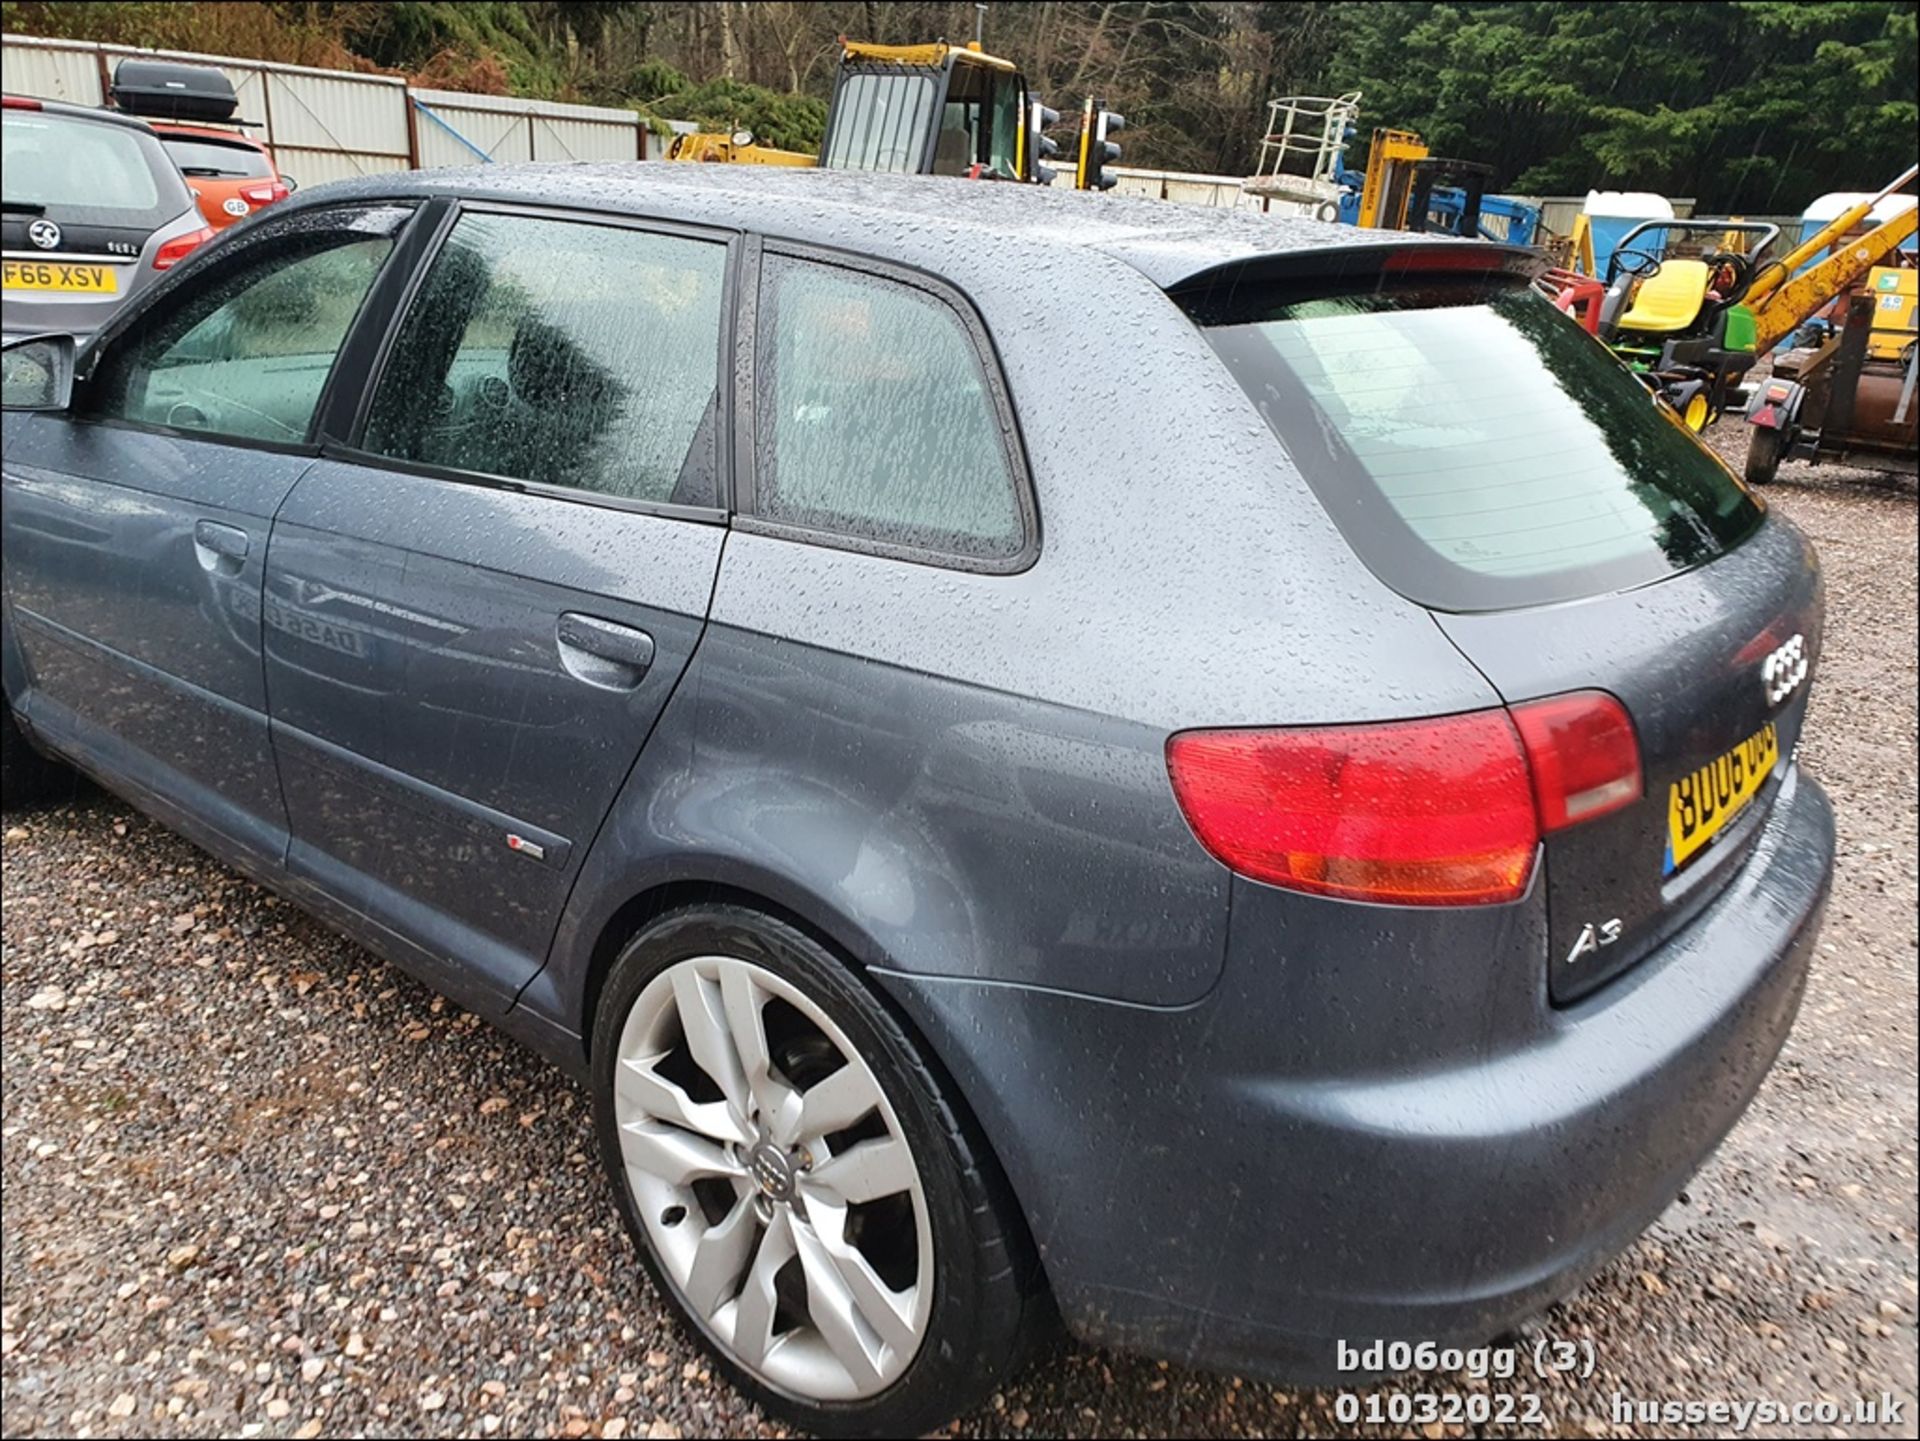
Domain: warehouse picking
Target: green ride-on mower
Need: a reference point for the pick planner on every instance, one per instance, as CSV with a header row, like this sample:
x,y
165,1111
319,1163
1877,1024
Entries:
x,y
1678,320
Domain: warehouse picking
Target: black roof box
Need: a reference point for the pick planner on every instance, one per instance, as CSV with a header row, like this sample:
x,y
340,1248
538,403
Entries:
x,y
165,90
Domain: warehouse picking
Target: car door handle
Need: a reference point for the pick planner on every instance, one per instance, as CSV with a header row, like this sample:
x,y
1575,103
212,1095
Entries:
x,y
602,652
220,549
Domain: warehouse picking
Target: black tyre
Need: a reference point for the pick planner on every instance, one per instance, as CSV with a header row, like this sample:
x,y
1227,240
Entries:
x,y
28,778
821,1214
1765,447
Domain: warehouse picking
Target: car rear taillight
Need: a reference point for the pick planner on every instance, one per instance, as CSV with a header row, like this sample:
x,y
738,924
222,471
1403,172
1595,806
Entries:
x,y
266,194
1443,812
1428,813
1584,755
19,102
180,247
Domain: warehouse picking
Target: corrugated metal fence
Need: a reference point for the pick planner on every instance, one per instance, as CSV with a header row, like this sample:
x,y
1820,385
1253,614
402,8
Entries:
x,y
457,129
333,124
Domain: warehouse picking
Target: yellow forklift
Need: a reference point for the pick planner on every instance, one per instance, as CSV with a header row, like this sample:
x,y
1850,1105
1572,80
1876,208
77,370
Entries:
x,y
935,109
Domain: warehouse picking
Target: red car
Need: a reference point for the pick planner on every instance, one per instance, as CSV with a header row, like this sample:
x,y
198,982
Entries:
x,y
230,175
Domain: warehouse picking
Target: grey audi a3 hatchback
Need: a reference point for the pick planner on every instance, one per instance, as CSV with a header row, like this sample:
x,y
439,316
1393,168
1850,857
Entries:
x,y
1227,781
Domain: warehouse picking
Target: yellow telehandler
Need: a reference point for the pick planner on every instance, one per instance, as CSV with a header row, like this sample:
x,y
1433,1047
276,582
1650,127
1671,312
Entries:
x,y
934,109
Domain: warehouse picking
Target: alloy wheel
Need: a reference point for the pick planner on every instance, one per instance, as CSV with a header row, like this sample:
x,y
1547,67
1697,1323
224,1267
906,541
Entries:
x,y
774,1179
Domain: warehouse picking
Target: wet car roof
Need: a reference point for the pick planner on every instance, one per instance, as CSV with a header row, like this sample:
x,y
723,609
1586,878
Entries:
x,y
902,216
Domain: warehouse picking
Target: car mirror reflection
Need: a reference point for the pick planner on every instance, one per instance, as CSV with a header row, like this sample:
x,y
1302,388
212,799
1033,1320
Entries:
x,y
36,373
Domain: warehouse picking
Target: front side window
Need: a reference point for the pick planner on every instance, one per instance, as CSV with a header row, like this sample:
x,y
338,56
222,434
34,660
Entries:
x,y
1009,106
564,353
246,348
980,123
874,418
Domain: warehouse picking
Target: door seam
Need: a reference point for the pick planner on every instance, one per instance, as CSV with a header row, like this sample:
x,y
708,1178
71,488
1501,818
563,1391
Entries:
x,y
626,779
266,683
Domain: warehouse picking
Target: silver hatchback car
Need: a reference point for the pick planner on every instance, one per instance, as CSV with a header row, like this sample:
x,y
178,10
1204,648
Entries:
x,y
94,211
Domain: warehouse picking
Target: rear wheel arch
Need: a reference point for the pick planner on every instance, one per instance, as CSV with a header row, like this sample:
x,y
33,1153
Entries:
x,y
644,907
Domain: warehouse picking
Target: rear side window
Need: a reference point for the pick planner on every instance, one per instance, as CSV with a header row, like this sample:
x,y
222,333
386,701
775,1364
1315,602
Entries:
x,y
564,353
1477,449
85,171
874,419
200,156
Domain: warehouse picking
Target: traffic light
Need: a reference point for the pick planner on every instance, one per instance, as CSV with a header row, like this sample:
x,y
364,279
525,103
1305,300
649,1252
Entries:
x,y
1096,151
1041,147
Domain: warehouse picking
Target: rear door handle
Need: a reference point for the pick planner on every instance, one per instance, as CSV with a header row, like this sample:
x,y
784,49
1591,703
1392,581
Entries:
x,y
602,652
220,548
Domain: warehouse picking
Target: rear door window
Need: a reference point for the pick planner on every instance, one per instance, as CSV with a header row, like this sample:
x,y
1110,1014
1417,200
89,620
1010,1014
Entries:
x,y
874,418
564,353
1476,448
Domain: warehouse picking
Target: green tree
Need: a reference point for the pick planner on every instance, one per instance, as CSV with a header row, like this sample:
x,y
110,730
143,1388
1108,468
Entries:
x,y
1753,107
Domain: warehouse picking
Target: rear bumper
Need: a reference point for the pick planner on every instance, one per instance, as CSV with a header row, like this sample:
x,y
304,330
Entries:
x,y
1311,1156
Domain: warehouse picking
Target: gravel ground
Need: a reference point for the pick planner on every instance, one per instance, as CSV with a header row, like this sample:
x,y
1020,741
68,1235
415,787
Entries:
x,y
259,1183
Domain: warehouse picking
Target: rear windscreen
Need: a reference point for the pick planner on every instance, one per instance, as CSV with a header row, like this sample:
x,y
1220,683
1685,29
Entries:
x,y
85,172
1476,447
200,156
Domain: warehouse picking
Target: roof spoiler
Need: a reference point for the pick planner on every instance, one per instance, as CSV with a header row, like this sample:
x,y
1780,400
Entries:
x,y
1213,295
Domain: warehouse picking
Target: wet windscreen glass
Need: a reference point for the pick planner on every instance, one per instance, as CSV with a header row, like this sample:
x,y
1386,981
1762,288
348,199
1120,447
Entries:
x,y
880,121
1476,447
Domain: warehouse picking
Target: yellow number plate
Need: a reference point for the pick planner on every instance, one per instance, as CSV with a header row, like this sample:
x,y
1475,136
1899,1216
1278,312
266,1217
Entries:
x,y
1701,805
59,275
